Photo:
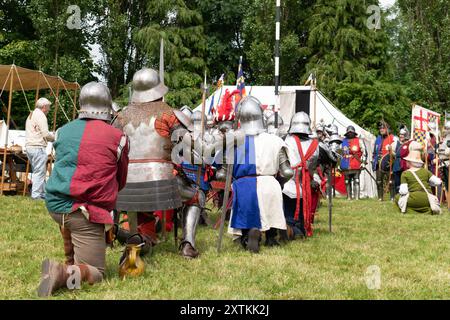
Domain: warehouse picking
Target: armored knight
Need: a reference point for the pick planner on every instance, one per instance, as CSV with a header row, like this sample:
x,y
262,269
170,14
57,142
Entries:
x,y
193,195
151,185
297,193
353,158
383,159
282,129
444,154
305,154
401,152
257,195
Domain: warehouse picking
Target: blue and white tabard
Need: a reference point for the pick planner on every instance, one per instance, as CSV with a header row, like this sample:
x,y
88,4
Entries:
x,y
257,195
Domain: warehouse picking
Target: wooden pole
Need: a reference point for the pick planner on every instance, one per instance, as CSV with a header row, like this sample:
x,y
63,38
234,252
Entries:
x,y
315,105
277,59
27,171
56,106
448,186
74,105
38,88
8,118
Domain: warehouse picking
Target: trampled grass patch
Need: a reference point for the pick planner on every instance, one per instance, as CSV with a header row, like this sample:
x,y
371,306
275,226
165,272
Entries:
x,y
412,252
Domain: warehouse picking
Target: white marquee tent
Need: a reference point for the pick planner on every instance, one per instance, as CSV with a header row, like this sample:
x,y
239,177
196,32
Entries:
x,y
320,110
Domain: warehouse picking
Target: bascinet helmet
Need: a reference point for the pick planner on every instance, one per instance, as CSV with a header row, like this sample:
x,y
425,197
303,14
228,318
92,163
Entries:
x,y
250,115
95,102
300,123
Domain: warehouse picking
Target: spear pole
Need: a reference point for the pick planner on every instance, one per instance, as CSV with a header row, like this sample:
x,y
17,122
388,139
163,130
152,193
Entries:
x,y
277,59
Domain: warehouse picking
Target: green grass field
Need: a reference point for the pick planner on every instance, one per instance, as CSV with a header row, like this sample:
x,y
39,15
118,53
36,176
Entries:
x,y
412,251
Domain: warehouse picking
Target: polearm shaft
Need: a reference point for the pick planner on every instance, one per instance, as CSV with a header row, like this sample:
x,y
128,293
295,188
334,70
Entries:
x,y
330,200
225,205
277,59
202,132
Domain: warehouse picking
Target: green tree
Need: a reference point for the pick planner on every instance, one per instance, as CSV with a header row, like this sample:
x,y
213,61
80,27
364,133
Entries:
x,y
223,24
181,26
116,25
259,40
421,52
353,63
16,34
60,50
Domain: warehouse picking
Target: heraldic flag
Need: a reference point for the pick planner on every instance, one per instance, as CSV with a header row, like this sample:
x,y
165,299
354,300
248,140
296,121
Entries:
x,y
423,123
240,83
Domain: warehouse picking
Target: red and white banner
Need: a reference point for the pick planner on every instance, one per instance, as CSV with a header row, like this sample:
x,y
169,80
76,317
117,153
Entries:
x,y
423,123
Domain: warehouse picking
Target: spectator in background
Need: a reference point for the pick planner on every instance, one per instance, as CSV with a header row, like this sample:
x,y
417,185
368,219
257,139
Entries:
x,y
37,137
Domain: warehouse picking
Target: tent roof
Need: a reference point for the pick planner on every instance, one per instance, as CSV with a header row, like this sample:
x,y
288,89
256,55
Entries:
x,y
325,110
31,79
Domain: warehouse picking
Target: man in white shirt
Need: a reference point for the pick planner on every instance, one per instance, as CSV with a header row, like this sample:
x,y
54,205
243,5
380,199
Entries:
x,y
37,137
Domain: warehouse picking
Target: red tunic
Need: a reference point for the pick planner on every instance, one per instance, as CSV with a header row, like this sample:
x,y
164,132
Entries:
x,y
355,153
386,142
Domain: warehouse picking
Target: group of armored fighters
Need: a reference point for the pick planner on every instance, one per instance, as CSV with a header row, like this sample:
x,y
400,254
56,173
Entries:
x,y
153,164
279,171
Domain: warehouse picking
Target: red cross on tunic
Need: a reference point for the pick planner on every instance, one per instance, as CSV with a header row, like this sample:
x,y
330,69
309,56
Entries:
x,y
421,119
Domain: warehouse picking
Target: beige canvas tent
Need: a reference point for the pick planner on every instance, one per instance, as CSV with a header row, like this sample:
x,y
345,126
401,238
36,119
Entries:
x,y
14,78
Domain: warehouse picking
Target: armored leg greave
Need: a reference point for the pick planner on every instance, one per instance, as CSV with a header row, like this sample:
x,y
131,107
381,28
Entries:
x,y
191,216
380,184
348,185
356,186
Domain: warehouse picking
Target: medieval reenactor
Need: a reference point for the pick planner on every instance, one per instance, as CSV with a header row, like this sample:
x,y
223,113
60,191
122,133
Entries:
x,y
432,146
383,159
257,196
354,156
90,169
189,160
151,183
444,154
282,129
224,120
192,169
321,133
401,152
305,155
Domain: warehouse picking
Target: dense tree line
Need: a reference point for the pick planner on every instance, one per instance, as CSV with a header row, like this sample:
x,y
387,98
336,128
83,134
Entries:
x,y
369,73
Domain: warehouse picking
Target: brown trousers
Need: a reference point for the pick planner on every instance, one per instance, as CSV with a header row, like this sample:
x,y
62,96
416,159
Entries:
x,y
84,241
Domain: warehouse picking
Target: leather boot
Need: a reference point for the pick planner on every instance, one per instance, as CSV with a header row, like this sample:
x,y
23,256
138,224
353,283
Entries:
x,y
188,251
288,234
55,275
254,237
68,246
271,240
